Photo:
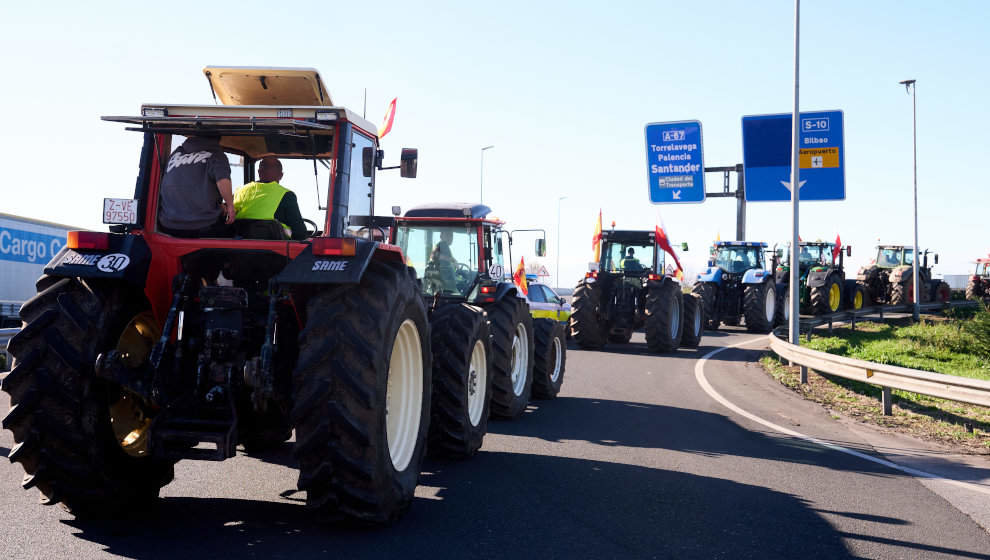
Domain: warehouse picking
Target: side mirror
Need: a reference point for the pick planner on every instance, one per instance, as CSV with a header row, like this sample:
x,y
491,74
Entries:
x,y
408,163
541,247
498,243
849,250
936,258
684,246
367,161
396,210
711,263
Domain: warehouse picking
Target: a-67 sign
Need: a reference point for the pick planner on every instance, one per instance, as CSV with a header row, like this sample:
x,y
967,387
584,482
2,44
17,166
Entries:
x,y
120,211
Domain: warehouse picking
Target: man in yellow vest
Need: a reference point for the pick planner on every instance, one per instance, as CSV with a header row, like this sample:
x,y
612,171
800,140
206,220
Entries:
x,y
265,199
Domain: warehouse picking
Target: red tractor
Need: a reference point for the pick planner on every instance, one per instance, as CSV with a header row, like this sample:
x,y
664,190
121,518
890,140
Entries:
x,y
141,349
979,283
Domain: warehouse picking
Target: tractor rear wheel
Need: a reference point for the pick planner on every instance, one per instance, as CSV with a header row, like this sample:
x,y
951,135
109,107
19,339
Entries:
x,y
664,324
586,325
550,359
760,307
462,384
707,292
694,321
941,292
82,441
901,293
974,290
826,298
513,349
361,396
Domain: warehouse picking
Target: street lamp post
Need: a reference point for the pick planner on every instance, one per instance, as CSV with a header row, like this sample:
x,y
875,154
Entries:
x,y
916,312
481,194
558,240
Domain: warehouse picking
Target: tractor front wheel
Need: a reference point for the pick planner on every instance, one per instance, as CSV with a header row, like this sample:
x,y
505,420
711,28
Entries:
x,y
550,359
462,381
707,292
827,298
513,349
760,307
694,321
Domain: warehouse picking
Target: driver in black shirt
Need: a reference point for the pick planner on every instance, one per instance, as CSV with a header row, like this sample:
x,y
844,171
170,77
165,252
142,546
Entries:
x,y
443,259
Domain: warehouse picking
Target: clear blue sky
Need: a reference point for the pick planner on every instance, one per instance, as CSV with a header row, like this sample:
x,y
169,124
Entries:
x,y
562,90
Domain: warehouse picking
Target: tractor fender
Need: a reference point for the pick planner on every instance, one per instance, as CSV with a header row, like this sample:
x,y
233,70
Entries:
x,y
866,273
308,268
756,276
817,278
711,274
900,274
506,289
126,258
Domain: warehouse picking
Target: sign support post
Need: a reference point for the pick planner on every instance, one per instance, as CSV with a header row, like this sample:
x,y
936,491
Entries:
x,y
794,325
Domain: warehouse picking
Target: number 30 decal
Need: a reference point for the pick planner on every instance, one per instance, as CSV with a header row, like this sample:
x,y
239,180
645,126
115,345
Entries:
x,y
114,262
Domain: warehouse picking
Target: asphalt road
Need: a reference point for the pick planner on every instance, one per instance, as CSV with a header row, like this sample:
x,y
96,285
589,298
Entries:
x,y
632,460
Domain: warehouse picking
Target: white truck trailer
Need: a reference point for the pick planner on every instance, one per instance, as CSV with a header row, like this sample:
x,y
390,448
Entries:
x,y
26,246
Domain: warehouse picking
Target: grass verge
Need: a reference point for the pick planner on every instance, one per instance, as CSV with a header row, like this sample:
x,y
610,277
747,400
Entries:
x,y
952,346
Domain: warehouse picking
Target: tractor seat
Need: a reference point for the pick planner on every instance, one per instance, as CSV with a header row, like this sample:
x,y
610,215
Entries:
x,y
259,229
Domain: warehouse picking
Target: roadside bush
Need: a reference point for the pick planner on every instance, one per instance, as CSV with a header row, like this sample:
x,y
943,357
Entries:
x,y
979,329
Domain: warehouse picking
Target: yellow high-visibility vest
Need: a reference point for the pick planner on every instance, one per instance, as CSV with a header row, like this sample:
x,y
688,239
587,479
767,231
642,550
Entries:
x,y
259,201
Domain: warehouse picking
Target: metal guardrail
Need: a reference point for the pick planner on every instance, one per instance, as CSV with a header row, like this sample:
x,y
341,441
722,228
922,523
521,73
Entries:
x,y
887,377
5,335
873,314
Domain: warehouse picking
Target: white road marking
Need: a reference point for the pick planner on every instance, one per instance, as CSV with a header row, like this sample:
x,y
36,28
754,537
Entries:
x,y
699,375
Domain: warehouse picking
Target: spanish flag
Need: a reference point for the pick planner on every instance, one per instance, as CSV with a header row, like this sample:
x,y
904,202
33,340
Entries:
x,y
389,118
596,240
664,244
519,277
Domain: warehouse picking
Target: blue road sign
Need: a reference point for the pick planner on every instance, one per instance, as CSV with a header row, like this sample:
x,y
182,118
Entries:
x,y
674,163
767,157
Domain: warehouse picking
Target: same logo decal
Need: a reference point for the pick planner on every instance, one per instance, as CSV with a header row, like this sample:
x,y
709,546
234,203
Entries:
x,y
330,266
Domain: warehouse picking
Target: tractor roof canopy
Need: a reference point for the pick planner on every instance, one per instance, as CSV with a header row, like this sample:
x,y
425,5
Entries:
x,y
456,210
645,237
245,85
740,244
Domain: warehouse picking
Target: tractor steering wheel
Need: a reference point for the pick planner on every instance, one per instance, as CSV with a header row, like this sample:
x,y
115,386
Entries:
x,y
314,231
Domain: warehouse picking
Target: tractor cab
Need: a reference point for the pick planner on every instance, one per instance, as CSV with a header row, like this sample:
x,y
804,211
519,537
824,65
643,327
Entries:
x,y
737,257
629,253
894,256
982,268
459,251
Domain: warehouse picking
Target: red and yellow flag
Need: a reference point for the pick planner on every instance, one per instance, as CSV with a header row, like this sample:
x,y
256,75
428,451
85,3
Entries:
x,y
596,239
837,249
519,277
664,244
389,118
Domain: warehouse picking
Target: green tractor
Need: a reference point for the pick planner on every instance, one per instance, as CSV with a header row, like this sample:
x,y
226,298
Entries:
x,y
888,279
823,285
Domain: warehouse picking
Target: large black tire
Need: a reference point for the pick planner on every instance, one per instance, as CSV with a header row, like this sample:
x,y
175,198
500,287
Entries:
x,y
694,321
340,391
512,363
707,292
664,316
60,412
901,293
760,307
975,290
782,313
462,381
550,358
857,297
586,325
941,292
822,302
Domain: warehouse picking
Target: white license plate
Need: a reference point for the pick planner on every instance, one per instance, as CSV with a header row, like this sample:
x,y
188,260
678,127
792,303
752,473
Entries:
x,y
120,211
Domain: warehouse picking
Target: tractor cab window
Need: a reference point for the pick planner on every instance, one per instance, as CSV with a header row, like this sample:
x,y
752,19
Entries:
x,y
908,256
360,189
982,269
736,260
445,257
495,245
888,258
629,257
811,255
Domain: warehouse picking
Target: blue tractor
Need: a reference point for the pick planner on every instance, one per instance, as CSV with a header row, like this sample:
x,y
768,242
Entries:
x,y
738,285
